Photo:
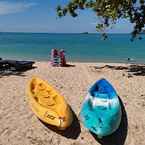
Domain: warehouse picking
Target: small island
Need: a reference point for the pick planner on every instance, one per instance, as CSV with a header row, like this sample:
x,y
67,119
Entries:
x,y
85,33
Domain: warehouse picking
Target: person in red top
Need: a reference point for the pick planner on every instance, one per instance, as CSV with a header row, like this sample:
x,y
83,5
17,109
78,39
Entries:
x,y
62,58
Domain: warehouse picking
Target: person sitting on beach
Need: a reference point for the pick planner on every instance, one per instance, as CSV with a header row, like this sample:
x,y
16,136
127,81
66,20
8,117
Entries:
x,y
54,57
62,58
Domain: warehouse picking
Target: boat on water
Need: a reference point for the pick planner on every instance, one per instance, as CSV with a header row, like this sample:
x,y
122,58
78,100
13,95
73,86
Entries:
x,y
101,109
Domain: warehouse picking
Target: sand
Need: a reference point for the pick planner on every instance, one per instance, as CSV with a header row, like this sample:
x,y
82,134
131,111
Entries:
x,y
19,126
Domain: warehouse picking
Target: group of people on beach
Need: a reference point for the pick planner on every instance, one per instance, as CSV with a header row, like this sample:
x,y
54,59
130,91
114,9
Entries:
x,y
58,57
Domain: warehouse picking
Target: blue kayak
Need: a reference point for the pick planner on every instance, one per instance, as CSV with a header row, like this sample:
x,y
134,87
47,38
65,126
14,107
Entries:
x,y
101,110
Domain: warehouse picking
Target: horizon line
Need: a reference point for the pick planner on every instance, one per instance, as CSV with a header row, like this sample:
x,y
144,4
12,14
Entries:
x,y
61,32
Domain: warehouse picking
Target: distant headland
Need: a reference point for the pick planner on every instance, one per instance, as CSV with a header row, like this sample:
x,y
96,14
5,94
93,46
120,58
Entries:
x,y
85,33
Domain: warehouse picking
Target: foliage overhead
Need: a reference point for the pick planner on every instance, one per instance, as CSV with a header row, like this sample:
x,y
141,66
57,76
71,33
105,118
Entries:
x,y
109,11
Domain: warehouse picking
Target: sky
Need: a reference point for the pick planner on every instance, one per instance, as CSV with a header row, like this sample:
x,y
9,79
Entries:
x,y
40,16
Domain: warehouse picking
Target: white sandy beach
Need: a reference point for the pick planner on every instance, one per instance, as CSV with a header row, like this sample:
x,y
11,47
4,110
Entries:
x,y
19,126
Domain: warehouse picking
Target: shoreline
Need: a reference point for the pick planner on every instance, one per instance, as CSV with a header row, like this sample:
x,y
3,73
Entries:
x,y
97,63
124,61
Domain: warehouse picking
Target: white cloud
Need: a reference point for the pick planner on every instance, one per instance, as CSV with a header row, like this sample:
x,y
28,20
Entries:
x,y
14,7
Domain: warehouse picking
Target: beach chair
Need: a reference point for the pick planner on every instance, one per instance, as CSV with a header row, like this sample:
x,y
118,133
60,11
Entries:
x,y
4,65
54,57
23,65
19,65
16,65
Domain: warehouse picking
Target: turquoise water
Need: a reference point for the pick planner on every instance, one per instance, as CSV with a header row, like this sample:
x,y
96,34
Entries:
x,y
78,47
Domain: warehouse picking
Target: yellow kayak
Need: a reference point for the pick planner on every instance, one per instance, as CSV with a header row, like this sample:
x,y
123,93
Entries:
x,y
48,105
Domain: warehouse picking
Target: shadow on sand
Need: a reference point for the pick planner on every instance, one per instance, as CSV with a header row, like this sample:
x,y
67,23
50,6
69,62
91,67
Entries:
x,y
66,65
133,69
71,132
9,72
138,70
69,65
119,136
112,67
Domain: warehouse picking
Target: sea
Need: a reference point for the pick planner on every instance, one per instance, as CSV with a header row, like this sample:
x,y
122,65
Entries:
x,y
78,47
